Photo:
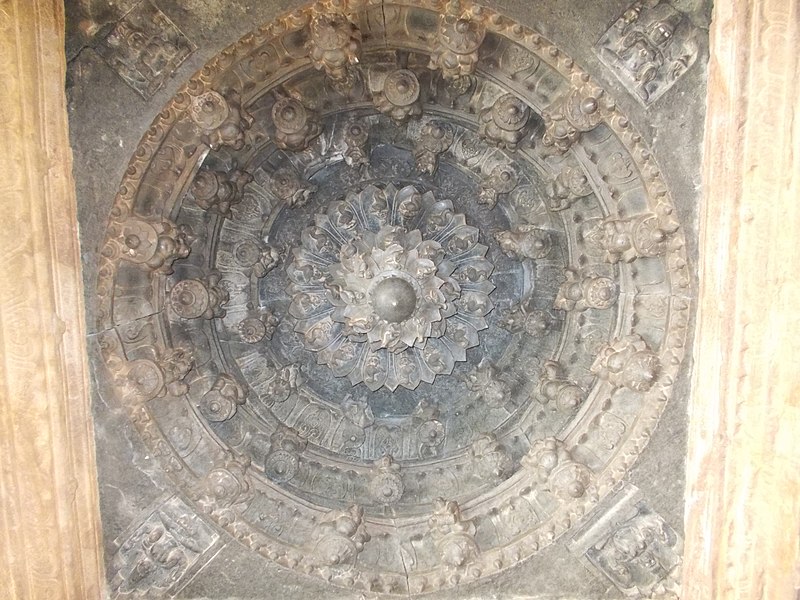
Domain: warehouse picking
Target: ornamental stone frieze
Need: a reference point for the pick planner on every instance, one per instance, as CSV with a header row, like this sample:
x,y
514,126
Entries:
x,y
393,294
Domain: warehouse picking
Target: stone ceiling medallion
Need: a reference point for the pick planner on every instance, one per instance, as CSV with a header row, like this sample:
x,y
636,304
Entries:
x,y
390,287
394,358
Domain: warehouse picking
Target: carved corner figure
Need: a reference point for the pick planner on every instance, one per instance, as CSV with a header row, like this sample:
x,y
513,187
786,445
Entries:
x,y
628,362
289,188
339,538
649,48
643,236
501,181
569,185
455,50
588,291
504,123
218,191
398,97
525,241
554,387
386,486
221,401
555,469
222,119
564,120
435,138
334,46
453,535
490,460
196,298
295,125
152,245
485,385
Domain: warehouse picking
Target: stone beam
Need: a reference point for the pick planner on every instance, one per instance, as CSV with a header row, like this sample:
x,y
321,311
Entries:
x,y
49,522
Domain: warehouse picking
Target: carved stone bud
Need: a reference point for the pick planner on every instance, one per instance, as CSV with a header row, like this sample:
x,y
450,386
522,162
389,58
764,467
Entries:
x,y
453,535
356,140
295,125
196,298
256,327
222,119
221,401
259,258
435,137
589,291
502,180
490,460
523,317
283,460
386,486
525,241
152,245
570,185
564,121
398,98
628,362
226,489
217,191
555,470
645,235
504,122
288,187
553,387
149,379
455,50
334,45
339,538
486,386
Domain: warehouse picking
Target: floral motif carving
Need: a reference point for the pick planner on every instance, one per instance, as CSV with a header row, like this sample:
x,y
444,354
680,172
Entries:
x,y
581,292
356,141
283,460
255,328
453,535
152,245
217,191
148,379
287,186
295,125
628,362
564,121
393,290
334,45
455,50
386,486
199,298
222,119
643,236
486,385
555,469
434,139
524,317
339,537
501,181
490,460
222,400
259,259
554,387
504,122
525,241
398,97
569,185
226,489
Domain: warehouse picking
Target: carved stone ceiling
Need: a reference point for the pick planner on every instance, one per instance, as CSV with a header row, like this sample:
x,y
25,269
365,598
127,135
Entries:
x,y
394,294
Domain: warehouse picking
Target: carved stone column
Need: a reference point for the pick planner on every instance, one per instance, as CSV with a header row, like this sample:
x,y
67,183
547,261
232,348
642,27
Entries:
x,y
49,523
743,473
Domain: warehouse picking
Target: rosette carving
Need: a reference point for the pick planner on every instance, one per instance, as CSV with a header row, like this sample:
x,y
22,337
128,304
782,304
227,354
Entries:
x,y
147,379
295,125
390,287
226,489
196,298
587,291
453,535
339,537
217,191
283,460
564,121
455,51
222,119
386,486
398,97
288,187
569,185
222,400
628,362
152,245
334,45
625,240
502,180
525,241
555,469
504,122
554,387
